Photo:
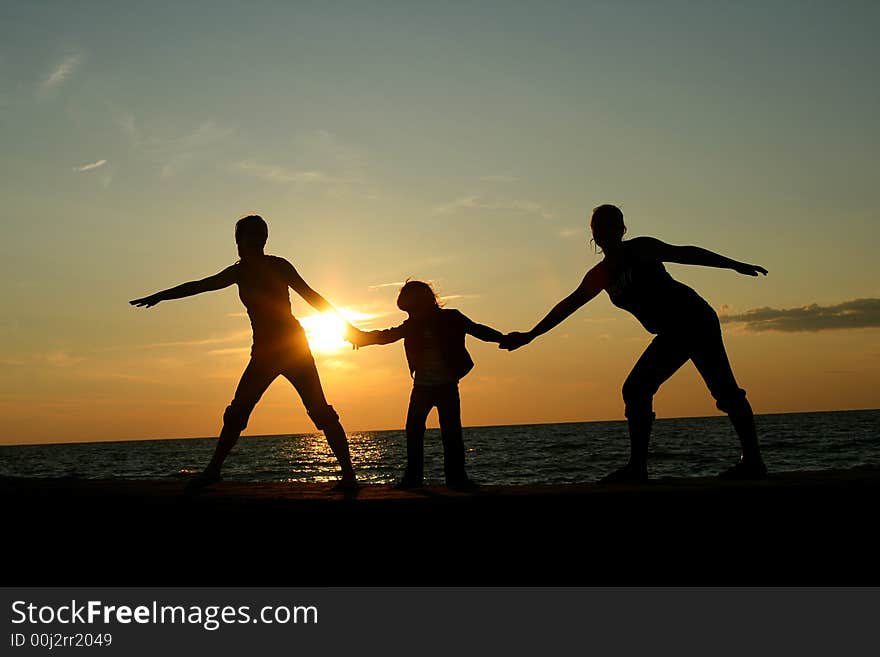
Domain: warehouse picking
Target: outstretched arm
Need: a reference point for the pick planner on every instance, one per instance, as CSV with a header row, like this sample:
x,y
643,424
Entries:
x,y
216,282
482,332
360,338
586,291
693,255
319,303
315,300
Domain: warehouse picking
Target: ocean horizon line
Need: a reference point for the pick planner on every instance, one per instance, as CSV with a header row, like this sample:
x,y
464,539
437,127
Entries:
x,y
471,426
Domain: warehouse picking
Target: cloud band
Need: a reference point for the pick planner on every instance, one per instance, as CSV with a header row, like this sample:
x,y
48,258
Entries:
x,y
858,313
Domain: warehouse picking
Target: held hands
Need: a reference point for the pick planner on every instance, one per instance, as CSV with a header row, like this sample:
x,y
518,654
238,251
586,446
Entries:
x,y
354,335
514,340
749,270
147,302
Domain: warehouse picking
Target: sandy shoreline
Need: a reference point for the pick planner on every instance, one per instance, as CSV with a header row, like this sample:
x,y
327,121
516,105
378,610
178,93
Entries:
x,y
794,528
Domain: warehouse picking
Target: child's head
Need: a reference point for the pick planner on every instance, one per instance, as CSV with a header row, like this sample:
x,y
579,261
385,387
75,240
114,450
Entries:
x,y
417,297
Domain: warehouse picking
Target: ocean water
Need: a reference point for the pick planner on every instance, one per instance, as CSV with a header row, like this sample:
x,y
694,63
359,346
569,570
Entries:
x,y
521,454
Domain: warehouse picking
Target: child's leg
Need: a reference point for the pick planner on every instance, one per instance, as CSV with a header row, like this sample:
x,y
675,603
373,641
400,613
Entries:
x,y
449,410
421,401
308,384
253,383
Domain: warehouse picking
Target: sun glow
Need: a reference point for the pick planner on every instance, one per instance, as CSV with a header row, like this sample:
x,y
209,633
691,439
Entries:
x,y
325,331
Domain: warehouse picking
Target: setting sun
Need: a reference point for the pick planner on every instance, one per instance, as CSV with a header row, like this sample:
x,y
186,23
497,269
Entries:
x,y
325,331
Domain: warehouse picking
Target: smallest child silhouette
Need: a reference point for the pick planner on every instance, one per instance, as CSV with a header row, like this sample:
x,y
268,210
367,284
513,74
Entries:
x,y
434,341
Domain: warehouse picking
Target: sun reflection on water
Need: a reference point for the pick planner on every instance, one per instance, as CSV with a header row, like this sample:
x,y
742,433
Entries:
x,y
308,458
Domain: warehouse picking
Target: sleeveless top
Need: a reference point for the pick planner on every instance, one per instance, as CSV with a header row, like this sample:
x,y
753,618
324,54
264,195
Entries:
x,y
263,289
644,288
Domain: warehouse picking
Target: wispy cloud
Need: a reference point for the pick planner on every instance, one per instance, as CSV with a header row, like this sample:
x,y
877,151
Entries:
x,y
377,315
568,233
318,158
89,167
183,150
858,313
61,72
233,351
172,154
452,297
237,336
208,133
175,164
336,364
477,203
233,337
373,288
330,145
59,358
128,124
278,174
499,178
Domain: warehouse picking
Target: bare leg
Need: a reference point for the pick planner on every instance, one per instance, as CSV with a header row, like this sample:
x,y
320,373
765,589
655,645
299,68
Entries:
x,y
253,383
714,366
227,440
639,437
308,385
338,441
743,420
663,357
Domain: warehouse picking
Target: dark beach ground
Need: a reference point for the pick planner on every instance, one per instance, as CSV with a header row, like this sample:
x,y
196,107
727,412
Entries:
x,y
796,528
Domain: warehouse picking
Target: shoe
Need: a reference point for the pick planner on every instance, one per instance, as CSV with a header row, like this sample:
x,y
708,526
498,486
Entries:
x,y
407,484
201,480
744,471
346,485
625,475
462,485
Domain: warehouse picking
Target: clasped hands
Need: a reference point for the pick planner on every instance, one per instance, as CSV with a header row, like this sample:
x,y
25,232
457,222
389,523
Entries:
x,y
515,340
355,336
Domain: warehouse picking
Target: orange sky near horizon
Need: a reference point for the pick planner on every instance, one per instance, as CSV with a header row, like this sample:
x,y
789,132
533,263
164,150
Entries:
x,y
171,389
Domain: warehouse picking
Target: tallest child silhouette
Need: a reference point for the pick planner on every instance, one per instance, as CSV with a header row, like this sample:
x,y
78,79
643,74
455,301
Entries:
x,y
280,346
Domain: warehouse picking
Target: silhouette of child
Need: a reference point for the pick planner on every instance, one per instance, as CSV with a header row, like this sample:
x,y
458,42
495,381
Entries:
x,y
279,348
434,341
